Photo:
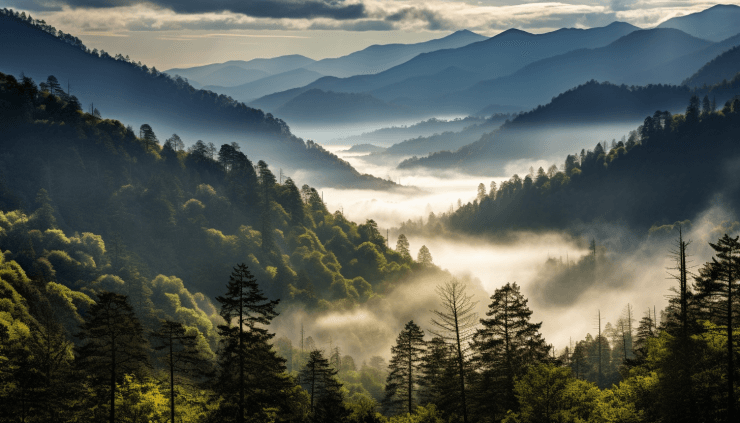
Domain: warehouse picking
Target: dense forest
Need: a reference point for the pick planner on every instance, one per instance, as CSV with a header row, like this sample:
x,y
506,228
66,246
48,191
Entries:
x,y
574,113
143,281
93,330
667,170
130,91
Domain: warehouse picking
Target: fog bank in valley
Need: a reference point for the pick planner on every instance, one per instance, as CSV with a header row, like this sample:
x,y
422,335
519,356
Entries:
x,y
556,271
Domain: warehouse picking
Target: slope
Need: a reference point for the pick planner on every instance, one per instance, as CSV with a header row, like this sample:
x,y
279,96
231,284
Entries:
x,y
139,95
317,106
715,24
634,183
270,66
268,85
723,67
537,83
378,58
560,125
496,56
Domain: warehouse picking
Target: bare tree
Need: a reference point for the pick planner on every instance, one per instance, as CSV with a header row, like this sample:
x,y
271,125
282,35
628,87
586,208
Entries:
x,y
456,324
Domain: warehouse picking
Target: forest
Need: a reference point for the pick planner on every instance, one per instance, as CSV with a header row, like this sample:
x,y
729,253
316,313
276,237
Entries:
x,y
681,164
140,280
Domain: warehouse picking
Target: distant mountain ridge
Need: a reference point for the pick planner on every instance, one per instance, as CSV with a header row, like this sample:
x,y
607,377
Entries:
x,y
496,56
269,84
370,60
591,103
627,60
723,67
204,74
715,24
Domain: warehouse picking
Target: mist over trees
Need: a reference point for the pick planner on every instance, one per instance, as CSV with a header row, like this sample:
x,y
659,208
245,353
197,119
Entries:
x,y
142,281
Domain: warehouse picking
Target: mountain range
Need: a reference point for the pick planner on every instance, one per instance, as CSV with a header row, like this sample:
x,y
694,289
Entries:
x,y
138,95
249,80
505,72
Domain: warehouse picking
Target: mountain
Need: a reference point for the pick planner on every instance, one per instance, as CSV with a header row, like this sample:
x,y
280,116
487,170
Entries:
x,y
667,174
370,60
561,125
497,56
378,58
723,67
448,140
233,75
315,106
268,85
679,69
209,74
395,134
716,23
139,96
622,62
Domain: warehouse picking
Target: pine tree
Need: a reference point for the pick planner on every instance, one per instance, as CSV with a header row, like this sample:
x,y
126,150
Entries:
x,y
505,346
267,182
113,344
319,379
147,137
405,369
181,355
425,257
251,376
725,268
439,379
402,246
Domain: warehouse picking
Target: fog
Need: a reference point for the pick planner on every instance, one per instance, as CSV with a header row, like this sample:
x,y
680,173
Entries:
x,y
551,268
333,134
372,328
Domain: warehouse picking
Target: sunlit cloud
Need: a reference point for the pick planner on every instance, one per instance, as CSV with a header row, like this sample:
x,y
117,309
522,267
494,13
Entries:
x,y
371,15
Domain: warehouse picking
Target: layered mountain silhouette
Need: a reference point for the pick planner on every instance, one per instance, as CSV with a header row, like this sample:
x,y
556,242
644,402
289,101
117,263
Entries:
x,y
237,78
219,73
378,58
267,85
723,67
431,74
625,61
134,95
715,24
567,120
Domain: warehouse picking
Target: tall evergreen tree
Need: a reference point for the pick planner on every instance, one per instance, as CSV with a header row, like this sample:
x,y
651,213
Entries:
x,y
402,246
181,357
147,137
725,270
251,376
405,369
319,378
267,182
113,345
505,346
425,256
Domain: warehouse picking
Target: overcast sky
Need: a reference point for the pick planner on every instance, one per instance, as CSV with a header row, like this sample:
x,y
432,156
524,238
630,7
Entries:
x,y
182,33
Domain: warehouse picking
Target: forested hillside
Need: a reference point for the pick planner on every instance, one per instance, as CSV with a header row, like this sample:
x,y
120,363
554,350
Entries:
x,y
669,169
570,116
99,222
136,94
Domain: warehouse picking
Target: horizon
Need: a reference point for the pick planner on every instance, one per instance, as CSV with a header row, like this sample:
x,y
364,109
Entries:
x,y
167,39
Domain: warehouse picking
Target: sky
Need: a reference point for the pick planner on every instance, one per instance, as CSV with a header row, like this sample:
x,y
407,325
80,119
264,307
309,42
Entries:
x,y
184,33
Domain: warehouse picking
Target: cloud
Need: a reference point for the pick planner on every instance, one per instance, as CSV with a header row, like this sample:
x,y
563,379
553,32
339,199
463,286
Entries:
x,y
412,16
291,9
